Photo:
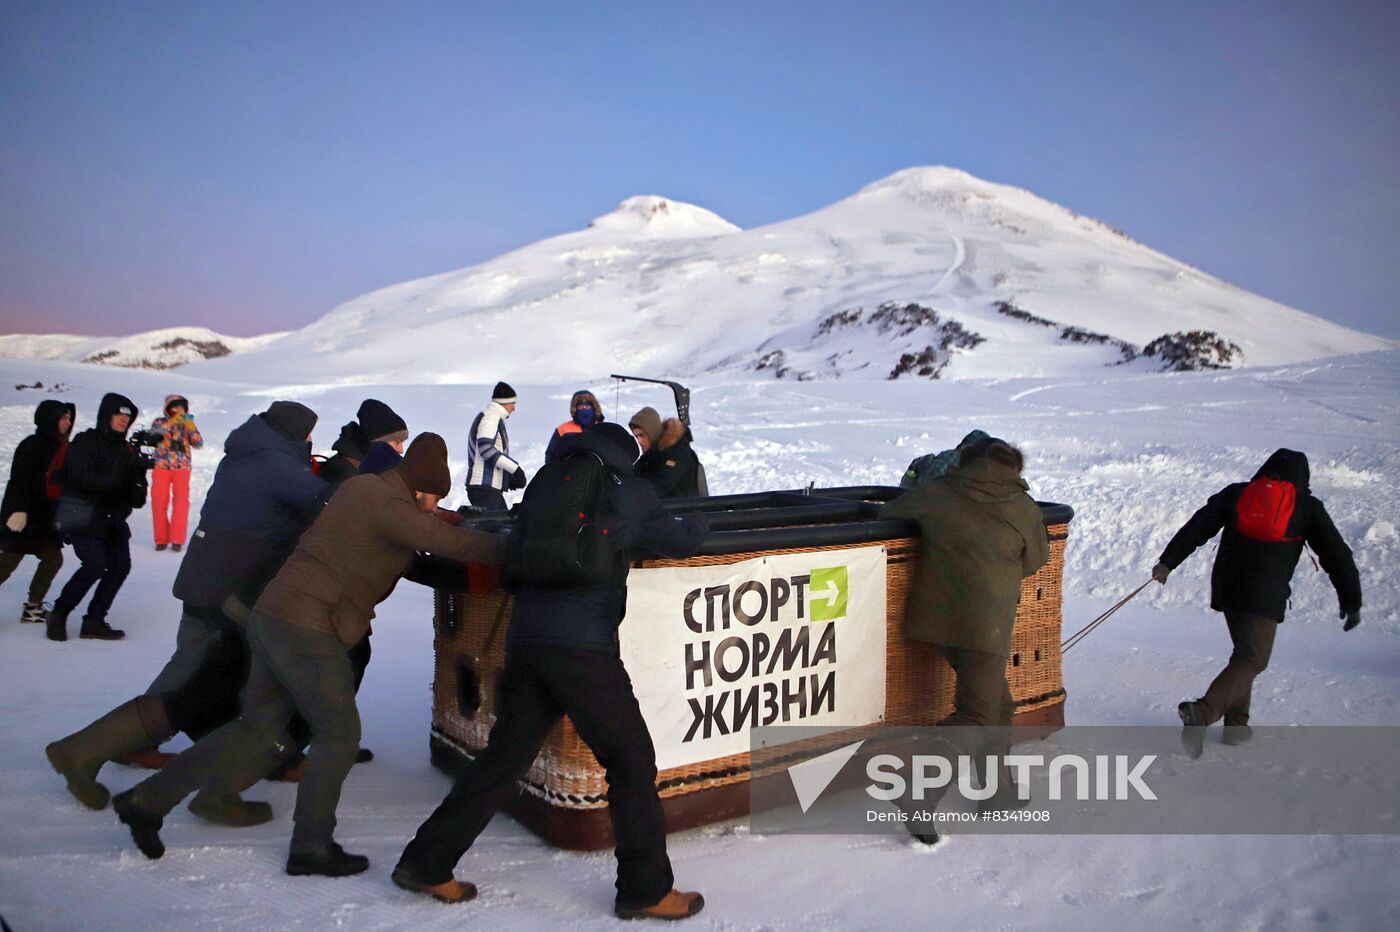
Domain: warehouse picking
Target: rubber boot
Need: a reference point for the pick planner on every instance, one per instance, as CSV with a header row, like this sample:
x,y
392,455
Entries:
x,y
129,727
56,625
223,808
674,905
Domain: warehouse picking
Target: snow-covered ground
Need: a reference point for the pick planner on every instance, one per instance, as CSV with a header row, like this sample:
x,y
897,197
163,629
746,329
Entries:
x,y
1133,453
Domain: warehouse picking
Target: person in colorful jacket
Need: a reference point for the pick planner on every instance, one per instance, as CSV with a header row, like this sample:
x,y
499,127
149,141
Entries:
x,y
170,480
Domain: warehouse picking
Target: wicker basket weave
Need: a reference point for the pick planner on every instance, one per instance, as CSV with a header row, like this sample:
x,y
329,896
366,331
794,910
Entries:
x,y
918,681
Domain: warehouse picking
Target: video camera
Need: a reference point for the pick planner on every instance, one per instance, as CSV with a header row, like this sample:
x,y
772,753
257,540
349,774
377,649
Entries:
x,y
145,440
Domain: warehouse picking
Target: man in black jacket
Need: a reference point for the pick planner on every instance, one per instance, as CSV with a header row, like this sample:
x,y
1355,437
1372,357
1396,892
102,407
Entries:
x,y
1266,522
562,659
26,513
106,476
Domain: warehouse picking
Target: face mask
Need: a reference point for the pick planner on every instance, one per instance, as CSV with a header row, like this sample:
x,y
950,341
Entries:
x,y
583,414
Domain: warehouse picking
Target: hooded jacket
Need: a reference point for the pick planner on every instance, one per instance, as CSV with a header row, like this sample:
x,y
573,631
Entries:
x,y
1254,576
980,535
263,494
352,557
27,489
671,466
105,469
924,469
588,616
572,425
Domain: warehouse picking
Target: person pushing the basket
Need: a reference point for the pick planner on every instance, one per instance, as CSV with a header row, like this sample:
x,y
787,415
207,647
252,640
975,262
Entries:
x,y
562,659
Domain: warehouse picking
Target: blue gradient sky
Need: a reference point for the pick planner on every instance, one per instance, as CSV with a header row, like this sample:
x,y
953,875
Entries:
x,y
247,166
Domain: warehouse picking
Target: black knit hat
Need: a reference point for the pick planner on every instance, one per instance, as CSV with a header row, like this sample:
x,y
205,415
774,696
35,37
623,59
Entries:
x,y
425,465
380,422
292,418
503,394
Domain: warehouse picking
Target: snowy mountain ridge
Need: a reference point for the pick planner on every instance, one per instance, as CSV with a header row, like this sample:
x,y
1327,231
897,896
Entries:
x,y
154,349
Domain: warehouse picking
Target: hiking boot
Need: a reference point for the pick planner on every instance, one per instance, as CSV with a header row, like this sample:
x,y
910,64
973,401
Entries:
x,y
128,727
330,861
364,756
97,629
34,613
230,809
1193,731
160,547
453,891
1236,734
144,824
56,625
674,905
176,547
146,759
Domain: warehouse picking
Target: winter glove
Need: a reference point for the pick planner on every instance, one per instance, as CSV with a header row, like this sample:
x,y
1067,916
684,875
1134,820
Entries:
x,y
517,479
1160,572
17,521
1351,619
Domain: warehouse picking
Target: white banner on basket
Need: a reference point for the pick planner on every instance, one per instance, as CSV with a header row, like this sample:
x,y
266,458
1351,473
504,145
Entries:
x,y
714,651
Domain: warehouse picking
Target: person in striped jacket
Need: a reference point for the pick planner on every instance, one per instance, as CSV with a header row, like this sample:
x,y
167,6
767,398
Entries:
x,y
490,470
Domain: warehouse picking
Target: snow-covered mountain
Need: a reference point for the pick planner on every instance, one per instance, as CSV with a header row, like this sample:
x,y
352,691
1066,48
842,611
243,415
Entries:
x,y
155,349
929,273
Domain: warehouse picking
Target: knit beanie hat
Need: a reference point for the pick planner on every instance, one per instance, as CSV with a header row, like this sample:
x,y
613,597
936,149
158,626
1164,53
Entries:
x,y
181,400
379,422
503,394
650,423
425,465
293,418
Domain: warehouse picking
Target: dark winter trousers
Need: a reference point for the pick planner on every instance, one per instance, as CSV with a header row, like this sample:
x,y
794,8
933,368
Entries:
x,y
293,670
982,707
199,630
105,552
50,562
483,496
538,685
1229,694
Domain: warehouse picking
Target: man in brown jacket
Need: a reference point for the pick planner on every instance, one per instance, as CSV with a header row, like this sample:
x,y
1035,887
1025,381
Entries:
x,y
320,603
981,534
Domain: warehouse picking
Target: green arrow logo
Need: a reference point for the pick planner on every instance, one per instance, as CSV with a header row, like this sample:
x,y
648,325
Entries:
x,y
826,597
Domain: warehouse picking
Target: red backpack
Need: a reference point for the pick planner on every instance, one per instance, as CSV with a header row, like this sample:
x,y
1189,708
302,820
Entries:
x,y
1264,510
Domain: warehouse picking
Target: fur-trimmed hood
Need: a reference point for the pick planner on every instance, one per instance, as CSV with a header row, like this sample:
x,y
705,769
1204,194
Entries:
x,y
673,431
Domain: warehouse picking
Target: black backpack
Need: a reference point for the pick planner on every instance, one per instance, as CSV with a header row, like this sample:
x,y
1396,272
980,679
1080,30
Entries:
x,y
559,540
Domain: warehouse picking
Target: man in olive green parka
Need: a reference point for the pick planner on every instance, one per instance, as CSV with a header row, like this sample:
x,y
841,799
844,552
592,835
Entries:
x,y
980,535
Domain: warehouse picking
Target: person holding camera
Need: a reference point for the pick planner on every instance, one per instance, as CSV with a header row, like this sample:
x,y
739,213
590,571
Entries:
x,y
104,478
175,435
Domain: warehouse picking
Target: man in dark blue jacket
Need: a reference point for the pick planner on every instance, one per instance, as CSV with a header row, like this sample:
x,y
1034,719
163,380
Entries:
x,y
562,659
1250,580
263,495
